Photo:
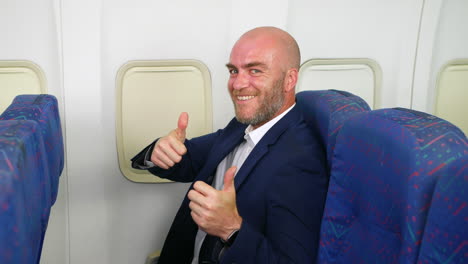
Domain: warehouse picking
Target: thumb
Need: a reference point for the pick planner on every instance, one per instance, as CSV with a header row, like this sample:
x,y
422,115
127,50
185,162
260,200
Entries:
x,y
182,125
229,180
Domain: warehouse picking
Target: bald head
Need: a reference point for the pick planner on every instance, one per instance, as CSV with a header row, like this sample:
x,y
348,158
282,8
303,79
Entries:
x,y
280,40
263,69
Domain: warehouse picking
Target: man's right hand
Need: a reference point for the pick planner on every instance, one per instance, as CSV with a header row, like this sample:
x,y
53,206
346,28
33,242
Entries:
x,y
170,149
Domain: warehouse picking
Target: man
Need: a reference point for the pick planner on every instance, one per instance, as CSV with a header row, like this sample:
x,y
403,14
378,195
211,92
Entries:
x,y
260,183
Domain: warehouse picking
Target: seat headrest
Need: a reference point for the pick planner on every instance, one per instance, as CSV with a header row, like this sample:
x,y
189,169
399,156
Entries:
x,y
327,110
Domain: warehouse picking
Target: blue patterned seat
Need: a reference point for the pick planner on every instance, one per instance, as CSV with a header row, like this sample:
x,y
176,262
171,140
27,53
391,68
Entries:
x,y
445,237
327,110
32,159
384,169
24,192
43,109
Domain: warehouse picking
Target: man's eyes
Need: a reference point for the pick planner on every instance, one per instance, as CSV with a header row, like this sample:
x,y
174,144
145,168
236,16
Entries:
x,y
251,71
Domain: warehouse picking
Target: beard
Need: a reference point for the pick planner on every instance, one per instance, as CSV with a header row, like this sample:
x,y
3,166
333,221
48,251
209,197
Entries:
x,y
273,101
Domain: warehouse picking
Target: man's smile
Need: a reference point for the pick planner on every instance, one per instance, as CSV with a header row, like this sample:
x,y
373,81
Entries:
x,y
245,97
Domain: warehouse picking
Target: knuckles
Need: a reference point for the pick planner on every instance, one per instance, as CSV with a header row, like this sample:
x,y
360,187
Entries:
x,y
197,185
190,195
162,143
184,150
163,147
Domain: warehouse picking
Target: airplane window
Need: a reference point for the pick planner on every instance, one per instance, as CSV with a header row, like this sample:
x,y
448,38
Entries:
x,y
361,77
20,77
452,93
150,97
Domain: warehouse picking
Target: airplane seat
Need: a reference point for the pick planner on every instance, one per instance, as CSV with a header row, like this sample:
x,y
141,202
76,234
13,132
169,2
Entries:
x,y
384,169
31,147
42,108
24,192
446,233
326,111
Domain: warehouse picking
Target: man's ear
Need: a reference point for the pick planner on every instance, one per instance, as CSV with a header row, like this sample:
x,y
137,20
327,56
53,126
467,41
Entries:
x,y
291,79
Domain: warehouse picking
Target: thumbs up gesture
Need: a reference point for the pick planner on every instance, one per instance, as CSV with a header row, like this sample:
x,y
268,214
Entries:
x,y
215,211
170,149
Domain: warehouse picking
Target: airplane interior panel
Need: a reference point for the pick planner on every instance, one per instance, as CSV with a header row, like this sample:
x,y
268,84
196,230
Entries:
x,y
364,29
122,71
20,77
441,41
361,77
144,89
452,93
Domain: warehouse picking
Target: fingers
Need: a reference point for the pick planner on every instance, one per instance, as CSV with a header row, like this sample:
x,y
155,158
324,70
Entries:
x,y
182,126
196,201
194,196
177,146
198,219
201,202
169,149
167,152
204,189
200,216
161,162
215,211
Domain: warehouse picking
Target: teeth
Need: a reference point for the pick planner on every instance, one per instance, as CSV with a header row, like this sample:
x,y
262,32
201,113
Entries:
x,y
244,98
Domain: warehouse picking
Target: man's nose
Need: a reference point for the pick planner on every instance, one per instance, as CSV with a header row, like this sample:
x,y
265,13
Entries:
x,y
241,81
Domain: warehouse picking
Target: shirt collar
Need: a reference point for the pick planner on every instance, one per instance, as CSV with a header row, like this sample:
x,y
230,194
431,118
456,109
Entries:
x,y
253,136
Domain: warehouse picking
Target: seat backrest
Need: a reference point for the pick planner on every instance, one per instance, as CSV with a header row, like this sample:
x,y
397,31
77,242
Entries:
x,y
445,238
384,169
24,192
43,109
327,110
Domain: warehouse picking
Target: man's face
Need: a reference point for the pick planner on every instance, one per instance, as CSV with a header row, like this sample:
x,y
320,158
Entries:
x,y
256,81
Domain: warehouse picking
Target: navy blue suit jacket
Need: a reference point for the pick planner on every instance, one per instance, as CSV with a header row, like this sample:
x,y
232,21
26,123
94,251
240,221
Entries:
x,y
281,190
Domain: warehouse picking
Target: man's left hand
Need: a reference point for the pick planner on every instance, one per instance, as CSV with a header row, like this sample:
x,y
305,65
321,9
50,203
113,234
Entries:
x,y
215,211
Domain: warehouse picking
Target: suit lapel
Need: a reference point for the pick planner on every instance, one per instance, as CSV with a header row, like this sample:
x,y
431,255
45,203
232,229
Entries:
x,y
257,153
262,147
222,147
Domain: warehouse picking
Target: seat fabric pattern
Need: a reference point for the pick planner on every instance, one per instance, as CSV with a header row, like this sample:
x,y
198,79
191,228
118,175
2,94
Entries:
x,y
384,170
445,237
24,192
327,110
43,109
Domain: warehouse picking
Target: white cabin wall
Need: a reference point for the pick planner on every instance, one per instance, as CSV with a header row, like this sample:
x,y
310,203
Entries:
x,y
139,215
451,42
100,217
113,220
424,57
385,31
30,30
247,14
88,199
